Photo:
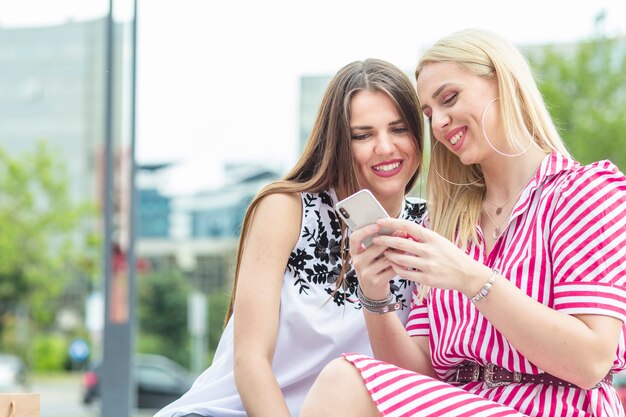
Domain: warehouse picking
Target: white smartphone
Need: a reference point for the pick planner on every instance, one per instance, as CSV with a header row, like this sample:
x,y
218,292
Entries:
x,y
361,209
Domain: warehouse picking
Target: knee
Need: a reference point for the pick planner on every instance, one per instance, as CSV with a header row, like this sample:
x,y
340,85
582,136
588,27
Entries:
x,y
338,391
337,366
337,372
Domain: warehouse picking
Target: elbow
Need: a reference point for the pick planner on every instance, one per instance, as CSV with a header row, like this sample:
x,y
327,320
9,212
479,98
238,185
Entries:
x,y
593,373
249,362
241,364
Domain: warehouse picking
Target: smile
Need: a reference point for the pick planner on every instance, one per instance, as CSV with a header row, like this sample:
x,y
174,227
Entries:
x,y
387,167
455,139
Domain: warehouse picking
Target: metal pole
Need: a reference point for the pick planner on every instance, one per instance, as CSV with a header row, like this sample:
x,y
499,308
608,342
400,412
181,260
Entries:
x,y
132,264
116,369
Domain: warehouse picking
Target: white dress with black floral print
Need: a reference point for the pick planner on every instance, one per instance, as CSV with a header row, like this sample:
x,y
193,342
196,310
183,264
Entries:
x,y
318,321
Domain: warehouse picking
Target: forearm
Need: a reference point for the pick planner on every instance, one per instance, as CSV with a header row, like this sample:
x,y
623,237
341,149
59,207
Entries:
x,y
558,343
391,343
258,389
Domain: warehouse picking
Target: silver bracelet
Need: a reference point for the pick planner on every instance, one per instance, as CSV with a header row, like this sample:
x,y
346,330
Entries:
x,y
486,288
377,306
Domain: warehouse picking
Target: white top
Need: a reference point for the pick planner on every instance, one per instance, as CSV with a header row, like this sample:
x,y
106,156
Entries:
x,y
316,325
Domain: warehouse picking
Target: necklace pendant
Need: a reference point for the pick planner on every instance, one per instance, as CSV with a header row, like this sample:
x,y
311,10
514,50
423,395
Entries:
x,y
496,233
499,210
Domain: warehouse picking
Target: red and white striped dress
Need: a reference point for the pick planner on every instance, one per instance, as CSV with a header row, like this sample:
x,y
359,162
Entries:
x,y
565,245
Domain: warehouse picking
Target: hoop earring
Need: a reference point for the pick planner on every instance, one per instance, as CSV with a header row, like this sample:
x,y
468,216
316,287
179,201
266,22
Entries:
x,y
432,163
482,122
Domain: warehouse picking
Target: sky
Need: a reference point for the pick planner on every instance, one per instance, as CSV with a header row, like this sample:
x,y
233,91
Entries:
x,y
218,80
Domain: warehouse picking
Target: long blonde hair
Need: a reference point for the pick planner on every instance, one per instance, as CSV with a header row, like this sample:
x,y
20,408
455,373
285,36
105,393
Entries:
x,y
327,157
454,210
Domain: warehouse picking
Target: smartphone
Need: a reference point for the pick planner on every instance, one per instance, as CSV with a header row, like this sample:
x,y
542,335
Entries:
x,y
361,209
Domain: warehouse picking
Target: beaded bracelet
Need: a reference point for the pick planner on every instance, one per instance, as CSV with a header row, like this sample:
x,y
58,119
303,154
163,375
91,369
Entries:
x,y
377,306
486,288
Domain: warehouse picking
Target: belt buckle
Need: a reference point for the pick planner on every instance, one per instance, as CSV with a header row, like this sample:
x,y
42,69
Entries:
x,y
488,377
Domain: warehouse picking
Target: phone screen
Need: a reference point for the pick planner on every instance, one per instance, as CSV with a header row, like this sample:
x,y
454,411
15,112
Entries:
x,y
361,209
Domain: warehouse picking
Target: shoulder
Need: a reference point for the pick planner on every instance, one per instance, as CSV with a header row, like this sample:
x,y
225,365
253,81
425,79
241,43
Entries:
x,y
275,221
601,177
280,202
283,208
594,193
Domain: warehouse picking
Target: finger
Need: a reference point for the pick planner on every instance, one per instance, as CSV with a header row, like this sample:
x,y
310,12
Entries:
x,y
377,274
416,276
358,236
363,258
412,229
399,243
370,253
408,262
380,272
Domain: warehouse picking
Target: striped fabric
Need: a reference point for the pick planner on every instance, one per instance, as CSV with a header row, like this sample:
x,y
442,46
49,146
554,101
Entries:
x,y
565,245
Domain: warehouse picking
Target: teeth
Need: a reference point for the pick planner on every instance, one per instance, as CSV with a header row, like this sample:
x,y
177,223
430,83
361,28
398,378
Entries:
x,y
389,167
456,138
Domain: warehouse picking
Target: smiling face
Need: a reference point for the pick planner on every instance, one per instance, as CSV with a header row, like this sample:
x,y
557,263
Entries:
x,y
454,100
383,148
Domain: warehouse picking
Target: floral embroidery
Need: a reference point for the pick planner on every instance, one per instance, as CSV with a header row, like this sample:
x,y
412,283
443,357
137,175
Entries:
x,y
318,260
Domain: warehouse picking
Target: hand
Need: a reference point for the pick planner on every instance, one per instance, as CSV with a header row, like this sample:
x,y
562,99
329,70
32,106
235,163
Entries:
x,y
430,259
373,269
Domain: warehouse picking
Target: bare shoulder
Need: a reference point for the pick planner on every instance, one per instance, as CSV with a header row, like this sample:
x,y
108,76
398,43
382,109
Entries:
x,y
281,204
277,219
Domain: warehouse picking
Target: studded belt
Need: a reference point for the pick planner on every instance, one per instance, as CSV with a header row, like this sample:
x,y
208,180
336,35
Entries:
x,y
495,376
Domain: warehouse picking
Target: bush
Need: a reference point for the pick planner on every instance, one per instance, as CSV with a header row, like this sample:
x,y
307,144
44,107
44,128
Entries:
x,y
50,352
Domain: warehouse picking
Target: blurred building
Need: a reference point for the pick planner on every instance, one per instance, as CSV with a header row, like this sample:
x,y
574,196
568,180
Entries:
x,y
153,207
218,213
53,90
204,227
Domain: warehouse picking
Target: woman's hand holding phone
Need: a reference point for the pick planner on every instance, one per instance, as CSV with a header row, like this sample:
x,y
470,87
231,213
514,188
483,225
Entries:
x,y
428,258
360,212
362,209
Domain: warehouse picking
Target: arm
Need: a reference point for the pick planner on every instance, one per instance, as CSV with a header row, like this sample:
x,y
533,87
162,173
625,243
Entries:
x,y
391,343
273,233
388,337
577,349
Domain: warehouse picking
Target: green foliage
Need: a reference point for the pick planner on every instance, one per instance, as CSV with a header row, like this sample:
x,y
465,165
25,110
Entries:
x,y
40,225
162,314
50,352
585,90
218,304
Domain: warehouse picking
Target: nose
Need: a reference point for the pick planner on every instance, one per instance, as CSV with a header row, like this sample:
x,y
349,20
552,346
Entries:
x,y
439,120
384,144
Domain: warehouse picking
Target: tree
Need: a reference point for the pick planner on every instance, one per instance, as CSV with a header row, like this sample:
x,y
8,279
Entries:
x,y
162,314
586,94
39,229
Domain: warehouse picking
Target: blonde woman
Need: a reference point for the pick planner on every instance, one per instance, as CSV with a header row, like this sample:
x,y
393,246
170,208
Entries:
x,y
296,305
521,278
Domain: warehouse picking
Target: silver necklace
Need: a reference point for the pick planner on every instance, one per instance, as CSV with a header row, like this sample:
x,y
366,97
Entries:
x,y
499,207
498,227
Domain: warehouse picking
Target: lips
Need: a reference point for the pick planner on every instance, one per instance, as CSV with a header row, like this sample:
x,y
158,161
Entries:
x,y
455,136
387,168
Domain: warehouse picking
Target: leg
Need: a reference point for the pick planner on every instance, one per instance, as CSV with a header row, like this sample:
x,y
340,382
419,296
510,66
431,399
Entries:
x,y
339,391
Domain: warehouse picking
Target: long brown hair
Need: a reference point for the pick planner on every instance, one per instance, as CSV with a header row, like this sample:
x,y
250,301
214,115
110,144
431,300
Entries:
x,y
327,157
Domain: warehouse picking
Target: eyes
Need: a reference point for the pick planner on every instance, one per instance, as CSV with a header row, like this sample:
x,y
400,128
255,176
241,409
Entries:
x,y
365,133
447,99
